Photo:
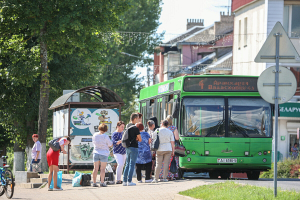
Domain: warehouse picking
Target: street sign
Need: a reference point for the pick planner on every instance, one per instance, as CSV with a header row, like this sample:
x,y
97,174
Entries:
x,y
288,53
277,47
286,88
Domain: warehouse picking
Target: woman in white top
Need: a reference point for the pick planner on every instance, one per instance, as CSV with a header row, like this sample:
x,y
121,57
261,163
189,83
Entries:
x,y
101,143
165,150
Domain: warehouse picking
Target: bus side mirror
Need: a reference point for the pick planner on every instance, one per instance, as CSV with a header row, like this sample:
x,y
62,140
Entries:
x,y
175,109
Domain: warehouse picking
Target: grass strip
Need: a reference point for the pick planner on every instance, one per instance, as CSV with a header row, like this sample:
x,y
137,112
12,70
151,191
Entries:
x,y
230,190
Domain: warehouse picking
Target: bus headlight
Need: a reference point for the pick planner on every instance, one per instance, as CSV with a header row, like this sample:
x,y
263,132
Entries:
x,y
206,153
188,151
189,159
193,152
246,153
259,153
265,152
264,160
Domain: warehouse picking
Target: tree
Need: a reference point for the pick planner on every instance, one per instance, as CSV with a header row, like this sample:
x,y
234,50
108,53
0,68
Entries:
x,y
118,75
60,27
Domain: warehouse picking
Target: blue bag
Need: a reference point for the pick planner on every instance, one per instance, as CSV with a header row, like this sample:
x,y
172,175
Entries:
x,y
77,179
59,180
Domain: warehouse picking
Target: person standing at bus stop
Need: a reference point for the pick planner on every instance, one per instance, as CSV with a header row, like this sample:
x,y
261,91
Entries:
x,y
132,150
118,150
36,150
165,150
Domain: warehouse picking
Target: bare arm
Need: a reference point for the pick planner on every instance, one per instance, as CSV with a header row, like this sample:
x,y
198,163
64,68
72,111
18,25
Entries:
x,y
149,141
139,138
173,147
176,134
37,155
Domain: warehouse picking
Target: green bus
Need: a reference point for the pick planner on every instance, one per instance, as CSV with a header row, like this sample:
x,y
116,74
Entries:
x,y
224,124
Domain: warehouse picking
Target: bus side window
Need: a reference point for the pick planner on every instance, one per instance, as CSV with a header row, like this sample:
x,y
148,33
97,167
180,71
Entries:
x,y
163,108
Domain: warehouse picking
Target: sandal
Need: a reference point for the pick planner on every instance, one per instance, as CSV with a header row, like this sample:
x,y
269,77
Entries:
x,y
119,182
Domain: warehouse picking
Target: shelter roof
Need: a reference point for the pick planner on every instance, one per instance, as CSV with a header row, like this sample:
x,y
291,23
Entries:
x,y
101,94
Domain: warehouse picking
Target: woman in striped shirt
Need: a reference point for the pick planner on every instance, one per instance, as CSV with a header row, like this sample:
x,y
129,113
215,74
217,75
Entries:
x,y
118,150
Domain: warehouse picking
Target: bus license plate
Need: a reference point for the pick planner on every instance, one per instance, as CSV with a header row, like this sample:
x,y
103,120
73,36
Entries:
x,y
227,160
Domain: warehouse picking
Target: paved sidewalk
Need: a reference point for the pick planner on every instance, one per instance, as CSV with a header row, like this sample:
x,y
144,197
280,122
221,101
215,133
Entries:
x,y
141,191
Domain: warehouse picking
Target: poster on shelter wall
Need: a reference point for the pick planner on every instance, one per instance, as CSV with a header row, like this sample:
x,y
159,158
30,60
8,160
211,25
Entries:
x,y
85,121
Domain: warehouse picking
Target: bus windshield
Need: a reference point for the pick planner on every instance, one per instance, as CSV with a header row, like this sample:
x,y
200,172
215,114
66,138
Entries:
x,y
249,117
203,117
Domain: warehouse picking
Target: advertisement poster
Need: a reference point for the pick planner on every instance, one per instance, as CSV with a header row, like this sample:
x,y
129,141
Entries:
x,y
84,123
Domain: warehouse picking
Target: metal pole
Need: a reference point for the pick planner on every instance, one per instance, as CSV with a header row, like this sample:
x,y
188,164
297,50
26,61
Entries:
x,y
277,35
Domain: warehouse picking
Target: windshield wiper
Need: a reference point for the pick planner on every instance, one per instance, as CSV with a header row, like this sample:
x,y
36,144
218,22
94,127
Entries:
x,y
238,128
215,129
192,126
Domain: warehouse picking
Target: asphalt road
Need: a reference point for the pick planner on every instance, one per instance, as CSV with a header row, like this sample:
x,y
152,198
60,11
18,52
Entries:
x,y
283,184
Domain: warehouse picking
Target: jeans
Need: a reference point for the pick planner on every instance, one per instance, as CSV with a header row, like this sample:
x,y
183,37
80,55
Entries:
x,y
131,156
33,161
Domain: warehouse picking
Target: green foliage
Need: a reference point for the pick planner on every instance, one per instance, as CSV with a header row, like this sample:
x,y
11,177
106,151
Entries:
x,y
234,191
284,169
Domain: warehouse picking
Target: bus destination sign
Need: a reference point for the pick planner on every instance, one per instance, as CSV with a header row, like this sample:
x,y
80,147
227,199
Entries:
x,y
220,84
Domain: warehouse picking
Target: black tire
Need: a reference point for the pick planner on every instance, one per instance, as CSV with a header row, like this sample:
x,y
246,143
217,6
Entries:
x,y
10,185
254,175
213,175
1,190
225,175
180,173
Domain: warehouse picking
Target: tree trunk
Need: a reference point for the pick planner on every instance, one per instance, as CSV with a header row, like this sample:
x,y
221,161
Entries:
x,y
19,158
44,98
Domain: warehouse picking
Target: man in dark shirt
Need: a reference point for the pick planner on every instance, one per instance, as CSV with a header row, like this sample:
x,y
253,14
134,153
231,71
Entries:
x,y
132,150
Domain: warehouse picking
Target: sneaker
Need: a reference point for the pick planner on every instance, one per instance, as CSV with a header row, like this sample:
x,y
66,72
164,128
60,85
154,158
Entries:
x,y
140,181
131,184
119,182
155,181
148,181
50,189
103,184
165,180
124,183
95,185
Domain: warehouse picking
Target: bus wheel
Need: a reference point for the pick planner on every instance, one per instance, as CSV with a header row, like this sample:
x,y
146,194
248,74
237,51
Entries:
x,y
254,175
180,173
214,175
225,175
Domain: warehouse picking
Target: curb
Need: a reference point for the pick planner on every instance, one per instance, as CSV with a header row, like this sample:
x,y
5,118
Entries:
x,y
182,197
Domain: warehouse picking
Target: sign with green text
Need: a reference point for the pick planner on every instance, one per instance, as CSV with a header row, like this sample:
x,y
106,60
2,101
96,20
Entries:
x,y
290,110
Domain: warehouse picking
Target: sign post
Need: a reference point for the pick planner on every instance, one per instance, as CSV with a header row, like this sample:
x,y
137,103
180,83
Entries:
x,y
281,38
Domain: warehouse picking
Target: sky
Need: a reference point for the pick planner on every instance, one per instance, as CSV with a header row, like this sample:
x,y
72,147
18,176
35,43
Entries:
x,y
175,13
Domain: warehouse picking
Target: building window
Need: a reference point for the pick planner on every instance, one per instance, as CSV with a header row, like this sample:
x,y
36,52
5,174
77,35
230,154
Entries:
x,y
245,31
291,22
240,30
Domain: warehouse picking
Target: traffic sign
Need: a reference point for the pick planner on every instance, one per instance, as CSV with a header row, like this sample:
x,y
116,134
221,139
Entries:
x,y
286,87
287,51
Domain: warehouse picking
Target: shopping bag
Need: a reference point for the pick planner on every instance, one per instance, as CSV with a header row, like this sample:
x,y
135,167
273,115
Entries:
x,y
36,167
59,180
77,179
172,167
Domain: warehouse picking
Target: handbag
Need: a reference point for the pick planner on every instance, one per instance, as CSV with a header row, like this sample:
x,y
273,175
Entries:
x,y
86,180
179,149
54,144
36,167
155,143
173,167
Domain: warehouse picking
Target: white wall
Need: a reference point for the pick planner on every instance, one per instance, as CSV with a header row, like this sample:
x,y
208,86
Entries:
x,y
243,58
